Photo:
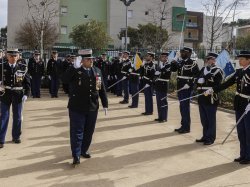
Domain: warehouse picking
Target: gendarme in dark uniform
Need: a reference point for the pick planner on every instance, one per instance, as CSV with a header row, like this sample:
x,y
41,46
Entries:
x,y
134,81
126,65
161,88
187,70
54,68
241,103
36,72
15,88
86,85
148,78
210,76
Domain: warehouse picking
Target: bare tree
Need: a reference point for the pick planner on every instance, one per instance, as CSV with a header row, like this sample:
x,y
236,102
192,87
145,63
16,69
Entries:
x,y
41,15
217,13
28,35
159,15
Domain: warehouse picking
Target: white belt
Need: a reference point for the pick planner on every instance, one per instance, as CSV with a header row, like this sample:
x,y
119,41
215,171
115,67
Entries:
x,y
204,88
13,88
243,95
164,80
123,72
184,77
147,78
135,74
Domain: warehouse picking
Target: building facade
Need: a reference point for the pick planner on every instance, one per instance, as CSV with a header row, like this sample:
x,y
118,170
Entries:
x,y
193,35
111,12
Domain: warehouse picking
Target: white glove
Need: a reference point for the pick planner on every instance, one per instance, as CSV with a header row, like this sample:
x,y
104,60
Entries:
x,y
185,87
248,108
49,77
206,71
77,62
42,77
209,92
105,111
201,80
130,70
147,85
124,77
1,88
30,77
108,77
115,77
24,98
157,73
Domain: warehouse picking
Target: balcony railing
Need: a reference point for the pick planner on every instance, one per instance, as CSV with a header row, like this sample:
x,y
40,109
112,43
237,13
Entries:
x,y
191,38
190,24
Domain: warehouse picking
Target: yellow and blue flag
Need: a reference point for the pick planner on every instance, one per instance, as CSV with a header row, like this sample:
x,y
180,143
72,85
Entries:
x,y
137,62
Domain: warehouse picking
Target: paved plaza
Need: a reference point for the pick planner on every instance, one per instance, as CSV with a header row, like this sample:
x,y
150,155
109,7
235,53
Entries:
x,y
128,150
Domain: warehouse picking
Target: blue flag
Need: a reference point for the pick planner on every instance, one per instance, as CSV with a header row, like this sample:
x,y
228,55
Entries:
x,y
171,56
224,62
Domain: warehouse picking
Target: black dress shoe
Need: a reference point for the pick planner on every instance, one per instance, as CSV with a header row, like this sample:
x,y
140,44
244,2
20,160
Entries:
x,y
239,159
208,143
157,119
86,155
132,106
177,130
76,161
123,102
162,121
16,141
1,145
245,161
200,140
182,131
146,113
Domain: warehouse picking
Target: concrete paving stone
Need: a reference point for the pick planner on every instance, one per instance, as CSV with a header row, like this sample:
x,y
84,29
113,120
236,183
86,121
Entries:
x,y
128,150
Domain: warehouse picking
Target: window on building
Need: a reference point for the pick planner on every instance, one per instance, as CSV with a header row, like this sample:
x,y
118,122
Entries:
x,y
64,10
64,29
130,13
189,35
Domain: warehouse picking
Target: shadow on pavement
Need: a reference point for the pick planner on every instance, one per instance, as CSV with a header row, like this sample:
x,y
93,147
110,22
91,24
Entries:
x,y
94,183
129,125
195,177
112,144
118,118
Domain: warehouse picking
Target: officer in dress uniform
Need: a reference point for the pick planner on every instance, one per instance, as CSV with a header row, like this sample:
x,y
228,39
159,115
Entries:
x,y
209,76
36,72
161,87
187,70
126,65
54,71
148,77
15,88
134,81
118,75
241,103
86,85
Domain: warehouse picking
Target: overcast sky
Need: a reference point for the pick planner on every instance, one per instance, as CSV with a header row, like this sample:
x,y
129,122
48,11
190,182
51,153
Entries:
x,y
192,5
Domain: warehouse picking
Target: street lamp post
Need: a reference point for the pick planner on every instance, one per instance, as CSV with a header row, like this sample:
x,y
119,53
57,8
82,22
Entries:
x,y
44,5
127,3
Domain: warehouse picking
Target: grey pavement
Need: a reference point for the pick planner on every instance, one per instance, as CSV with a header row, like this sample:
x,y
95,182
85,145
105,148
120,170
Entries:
x,y
128,150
